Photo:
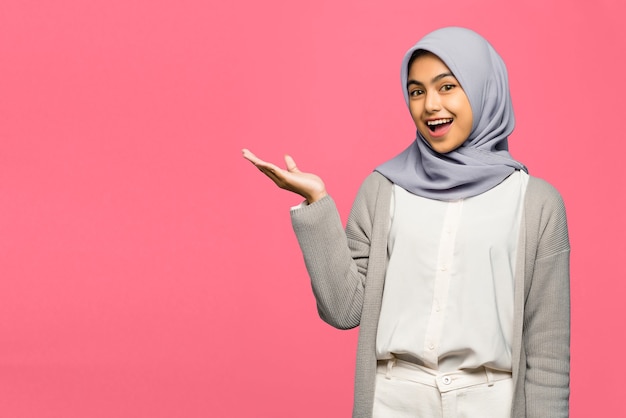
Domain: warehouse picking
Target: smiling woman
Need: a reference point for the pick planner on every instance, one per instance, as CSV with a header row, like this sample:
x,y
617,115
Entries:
x,y
454,262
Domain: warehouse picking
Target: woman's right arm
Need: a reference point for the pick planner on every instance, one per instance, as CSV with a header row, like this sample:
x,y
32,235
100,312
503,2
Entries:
x,y
336,265
336,262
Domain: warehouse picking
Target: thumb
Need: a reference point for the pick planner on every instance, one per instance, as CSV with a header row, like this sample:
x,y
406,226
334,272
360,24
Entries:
x,y
291,164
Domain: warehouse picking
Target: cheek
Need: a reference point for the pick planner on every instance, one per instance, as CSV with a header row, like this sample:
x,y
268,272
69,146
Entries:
x,y
464,113
417,121
470,120
466,109
415,113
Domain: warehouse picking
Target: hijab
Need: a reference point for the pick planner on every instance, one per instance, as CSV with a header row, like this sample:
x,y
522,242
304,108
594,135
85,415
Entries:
x,y
483,160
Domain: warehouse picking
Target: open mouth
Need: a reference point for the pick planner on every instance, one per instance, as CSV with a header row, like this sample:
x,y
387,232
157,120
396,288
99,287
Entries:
x,y
438,124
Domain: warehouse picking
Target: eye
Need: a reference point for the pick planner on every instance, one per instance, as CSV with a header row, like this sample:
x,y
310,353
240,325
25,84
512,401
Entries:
x,y
447,87
415,92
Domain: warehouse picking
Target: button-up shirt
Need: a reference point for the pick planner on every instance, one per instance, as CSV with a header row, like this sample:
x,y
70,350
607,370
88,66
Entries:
x,y
448,297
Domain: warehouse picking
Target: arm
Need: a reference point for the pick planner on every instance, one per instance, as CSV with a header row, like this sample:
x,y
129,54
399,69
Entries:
x,y
337,260
547,316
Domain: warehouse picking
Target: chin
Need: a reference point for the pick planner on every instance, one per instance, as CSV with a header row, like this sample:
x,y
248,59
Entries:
x,y
442,148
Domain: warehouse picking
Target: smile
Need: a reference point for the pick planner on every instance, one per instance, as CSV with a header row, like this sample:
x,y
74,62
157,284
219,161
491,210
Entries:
x,y
434,125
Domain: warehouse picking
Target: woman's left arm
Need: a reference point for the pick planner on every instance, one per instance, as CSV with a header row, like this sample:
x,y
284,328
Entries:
x,y
547,315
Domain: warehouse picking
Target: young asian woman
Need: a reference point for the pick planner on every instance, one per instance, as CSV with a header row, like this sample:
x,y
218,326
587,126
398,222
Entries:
x,y
454,263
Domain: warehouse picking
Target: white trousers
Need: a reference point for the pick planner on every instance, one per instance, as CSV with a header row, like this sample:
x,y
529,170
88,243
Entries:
x,y
406,390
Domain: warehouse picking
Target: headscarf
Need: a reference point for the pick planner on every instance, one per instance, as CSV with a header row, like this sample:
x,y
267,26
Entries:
x,y
482,161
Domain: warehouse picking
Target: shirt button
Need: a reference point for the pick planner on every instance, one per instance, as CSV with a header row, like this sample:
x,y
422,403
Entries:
x,y
447,380
431,346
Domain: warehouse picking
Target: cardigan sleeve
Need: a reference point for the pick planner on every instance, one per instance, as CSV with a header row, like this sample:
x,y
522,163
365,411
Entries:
x,y
547,313
337,260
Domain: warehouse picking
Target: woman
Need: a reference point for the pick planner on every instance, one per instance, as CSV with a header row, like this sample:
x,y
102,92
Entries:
x,y
454,262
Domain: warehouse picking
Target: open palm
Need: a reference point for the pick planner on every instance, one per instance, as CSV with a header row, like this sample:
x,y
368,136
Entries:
x,y
307,185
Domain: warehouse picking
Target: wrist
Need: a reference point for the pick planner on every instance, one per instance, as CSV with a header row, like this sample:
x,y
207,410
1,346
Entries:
x,y
315,197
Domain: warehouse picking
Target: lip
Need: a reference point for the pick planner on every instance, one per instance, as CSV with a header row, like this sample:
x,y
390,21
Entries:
x,y
441,132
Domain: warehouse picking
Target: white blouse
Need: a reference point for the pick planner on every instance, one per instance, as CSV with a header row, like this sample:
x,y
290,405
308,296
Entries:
x,y
448,297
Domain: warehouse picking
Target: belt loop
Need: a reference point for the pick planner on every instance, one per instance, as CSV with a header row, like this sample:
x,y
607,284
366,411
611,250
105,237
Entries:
x,y
390,363
489,374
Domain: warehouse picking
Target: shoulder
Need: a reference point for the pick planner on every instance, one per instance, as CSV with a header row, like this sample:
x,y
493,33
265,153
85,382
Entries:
x,y
374,197
541,194
376,180
541,187
546,220
374,185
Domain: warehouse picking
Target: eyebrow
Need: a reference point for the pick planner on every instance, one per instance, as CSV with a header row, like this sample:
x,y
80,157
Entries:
x,y
434,80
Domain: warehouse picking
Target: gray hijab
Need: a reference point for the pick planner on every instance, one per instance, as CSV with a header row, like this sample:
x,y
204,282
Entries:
x,y
482,161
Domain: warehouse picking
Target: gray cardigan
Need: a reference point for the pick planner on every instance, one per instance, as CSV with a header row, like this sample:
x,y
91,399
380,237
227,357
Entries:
x,y
348,282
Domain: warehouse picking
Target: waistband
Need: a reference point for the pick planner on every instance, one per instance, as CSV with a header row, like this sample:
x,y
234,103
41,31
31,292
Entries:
x,y
445,382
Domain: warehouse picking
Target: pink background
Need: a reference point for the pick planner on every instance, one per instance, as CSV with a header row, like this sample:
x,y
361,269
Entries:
x,y
147,270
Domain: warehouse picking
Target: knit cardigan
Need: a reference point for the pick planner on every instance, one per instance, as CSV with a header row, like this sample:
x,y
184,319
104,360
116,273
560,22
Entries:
x,y
347,270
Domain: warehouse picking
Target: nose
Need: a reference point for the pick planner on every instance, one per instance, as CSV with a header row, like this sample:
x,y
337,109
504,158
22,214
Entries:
x,y
433,102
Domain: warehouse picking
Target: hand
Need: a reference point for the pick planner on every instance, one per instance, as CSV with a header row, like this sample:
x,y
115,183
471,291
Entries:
x,y
307,185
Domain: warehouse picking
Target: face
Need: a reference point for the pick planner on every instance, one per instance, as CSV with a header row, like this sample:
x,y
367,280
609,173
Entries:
x,y
439,106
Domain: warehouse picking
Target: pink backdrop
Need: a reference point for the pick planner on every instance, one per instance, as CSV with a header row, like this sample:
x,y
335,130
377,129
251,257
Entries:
x,y
146,270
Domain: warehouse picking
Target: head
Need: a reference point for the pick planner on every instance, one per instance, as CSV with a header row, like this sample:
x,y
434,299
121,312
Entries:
x,y
440,108
454,78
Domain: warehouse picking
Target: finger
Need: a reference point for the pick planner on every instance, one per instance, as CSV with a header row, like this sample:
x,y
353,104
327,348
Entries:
x,y
267,167
274,173
291,164
260,164
250,156
277,178
256,160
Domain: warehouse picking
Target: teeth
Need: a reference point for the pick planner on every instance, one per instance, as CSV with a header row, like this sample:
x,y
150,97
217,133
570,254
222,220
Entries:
x,y
438,122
